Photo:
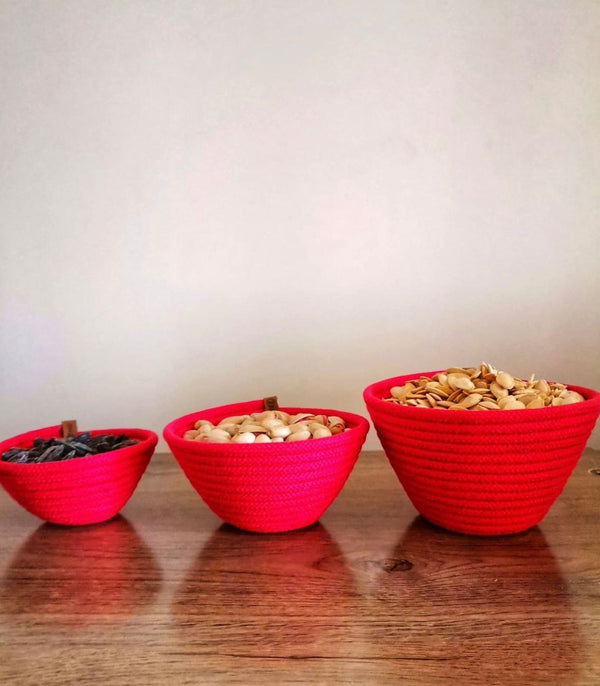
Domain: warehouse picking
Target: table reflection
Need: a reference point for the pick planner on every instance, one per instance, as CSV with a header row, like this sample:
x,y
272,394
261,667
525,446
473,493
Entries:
x,y
486,609
76,575
265,594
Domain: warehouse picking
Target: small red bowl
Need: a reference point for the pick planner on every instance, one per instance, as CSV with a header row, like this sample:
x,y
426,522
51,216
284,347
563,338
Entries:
x,y
267,487
485,473
83,490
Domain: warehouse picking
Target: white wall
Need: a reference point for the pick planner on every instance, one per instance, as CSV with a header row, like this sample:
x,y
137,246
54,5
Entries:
x,y
208,202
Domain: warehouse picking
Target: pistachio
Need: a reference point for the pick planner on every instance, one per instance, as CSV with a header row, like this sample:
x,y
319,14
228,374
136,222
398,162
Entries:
x,y
298,427
280,432
252,428
300,417
337,429
244,437
271,424
321,432
299,435
218,436
230,427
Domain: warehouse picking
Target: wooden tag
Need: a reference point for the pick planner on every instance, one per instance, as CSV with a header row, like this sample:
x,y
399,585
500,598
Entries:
x,y
271,403
68,428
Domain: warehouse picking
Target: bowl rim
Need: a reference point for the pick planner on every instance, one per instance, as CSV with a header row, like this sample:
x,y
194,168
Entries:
x,y
373,397
147,440
172,432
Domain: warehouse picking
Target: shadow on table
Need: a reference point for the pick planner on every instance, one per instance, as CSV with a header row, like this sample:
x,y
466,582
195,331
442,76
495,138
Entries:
x,y
492,609
80,575
265,594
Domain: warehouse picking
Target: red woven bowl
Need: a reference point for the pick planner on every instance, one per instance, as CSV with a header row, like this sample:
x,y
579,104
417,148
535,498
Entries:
x,y
270,487
83,490
485,473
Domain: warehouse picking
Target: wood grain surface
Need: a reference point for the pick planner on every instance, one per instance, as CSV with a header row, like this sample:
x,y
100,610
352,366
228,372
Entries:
x,y
372,594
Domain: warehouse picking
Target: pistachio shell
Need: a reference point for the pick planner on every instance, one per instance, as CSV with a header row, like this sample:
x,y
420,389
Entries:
x,y
280,432
300,417
321,432
238,419
244,437
253,428
230,427
320,419
299,435
218,436
300,426
262,438
333,420
271,423
259,417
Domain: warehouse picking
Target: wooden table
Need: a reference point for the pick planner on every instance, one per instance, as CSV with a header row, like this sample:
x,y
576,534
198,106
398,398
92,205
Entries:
x,y
372,594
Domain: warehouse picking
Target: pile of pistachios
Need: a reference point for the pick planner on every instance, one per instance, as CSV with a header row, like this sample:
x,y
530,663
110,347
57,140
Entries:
x,y
270,426
481,388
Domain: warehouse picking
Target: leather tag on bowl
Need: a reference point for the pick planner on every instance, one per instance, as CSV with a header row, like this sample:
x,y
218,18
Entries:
x,y
271,403
68,428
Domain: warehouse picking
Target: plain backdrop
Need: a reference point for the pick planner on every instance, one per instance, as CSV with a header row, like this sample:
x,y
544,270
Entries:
x,y
210,202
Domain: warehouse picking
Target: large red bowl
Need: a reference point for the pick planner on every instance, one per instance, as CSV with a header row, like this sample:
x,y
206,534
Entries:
x,y
485,473
267,487
83,490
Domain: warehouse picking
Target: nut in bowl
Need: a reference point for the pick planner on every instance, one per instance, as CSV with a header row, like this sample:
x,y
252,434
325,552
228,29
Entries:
x,y
266,486
75,490
489,471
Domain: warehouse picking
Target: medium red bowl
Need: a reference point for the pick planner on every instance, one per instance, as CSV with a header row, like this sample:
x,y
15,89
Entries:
x,y
485,473
267,487
83,490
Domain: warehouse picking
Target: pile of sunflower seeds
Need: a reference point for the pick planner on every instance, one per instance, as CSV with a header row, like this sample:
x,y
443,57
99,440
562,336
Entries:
x,y
59,449
481,388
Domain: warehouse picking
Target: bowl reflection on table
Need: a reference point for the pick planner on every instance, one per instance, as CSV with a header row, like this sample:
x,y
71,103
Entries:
x,y
496,609
79,575
266,594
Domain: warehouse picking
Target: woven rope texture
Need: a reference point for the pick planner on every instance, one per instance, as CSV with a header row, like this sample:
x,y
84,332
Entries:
x,y
270,487
485,473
